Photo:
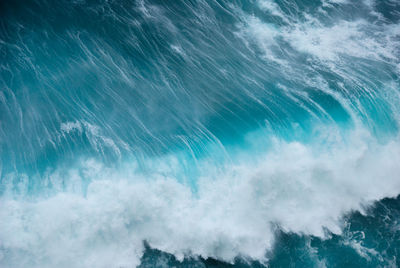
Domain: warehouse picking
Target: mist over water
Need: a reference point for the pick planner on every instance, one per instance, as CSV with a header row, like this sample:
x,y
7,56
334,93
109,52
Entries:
x,y
199,133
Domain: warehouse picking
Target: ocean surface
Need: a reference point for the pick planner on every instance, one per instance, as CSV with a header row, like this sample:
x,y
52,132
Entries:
x,y
199,133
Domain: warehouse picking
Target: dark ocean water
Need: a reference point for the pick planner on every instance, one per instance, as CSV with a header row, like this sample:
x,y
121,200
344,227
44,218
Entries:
x,y
252,133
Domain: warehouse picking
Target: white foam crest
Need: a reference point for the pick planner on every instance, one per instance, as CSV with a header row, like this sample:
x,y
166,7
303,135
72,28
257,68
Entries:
x,y
98,141
301,188
344,38
357,38
330,2
67,127
273,8
265,36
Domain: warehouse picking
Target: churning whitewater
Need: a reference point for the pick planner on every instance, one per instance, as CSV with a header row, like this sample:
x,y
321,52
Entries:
x,y
206,133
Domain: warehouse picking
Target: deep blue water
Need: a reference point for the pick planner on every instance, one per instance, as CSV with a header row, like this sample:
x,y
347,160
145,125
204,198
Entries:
x,y
210,133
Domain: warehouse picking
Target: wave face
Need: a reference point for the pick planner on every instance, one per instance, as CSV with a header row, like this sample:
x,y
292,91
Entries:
x,y
204,133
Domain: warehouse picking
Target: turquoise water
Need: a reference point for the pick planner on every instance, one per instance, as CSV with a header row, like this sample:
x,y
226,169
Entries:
x,y
252,133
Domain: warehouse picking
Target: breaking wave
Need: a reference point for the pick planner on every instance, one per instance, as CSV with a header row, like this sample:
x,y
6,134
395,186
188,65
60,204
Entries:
x,y
202,129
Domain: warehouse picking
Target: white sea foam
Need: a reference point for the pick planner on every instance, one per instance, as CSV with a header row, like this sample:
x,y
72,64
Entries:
x,y
71,126
323,41
273,9
302,188
98,141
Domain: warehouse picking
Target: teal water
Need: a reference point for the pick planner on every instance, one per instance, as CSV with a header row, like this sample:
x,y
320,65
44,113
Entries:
x,y
210,133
